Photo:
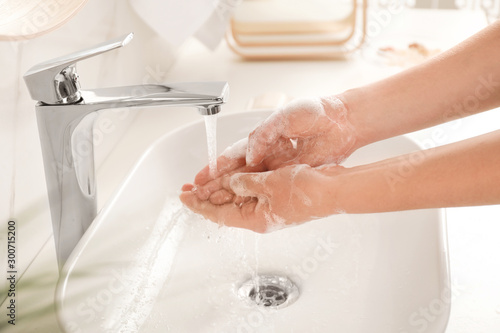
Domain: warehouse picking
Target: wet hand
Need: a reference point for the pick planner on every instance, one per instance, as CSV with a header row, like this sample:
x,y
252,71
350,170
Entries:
x,y
312,131
269,200
231,161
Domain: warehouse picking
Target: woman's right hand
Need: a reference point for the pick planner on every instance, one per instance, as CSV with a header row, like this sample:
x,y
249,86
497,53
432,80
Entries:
x,y
312,131
271,200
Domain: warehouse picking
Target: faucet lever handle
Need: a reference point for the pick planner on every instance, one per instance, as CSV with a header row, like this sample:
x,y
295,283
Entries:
x,y
56,81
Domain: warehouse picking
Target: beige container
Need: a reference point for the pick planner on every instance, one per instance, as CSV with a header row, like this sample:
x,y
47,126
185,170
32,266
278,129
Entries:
x,y
297,29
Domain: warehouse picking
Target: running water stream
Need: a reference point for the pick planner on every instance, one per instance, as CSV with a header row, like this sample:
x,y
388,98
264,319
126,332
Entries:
x,y
211,129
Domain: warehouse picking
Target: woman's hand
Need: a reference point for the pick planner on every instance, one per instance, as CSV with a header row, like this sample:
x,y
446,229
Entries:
x,y
269,200
463,173
312,131
321,131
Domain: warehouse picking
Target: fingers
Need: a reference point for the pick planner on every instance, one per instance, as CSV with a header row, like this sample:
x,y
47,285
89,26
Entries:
x,y
299,118
283,152
247,184
187,187
237,188
239,201
205,192
263,137
231,215
221,197
203,207
224,165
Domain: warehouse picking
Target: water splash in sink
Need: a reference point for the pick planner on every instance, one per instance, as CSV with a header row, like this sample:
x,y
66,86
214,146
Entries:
x,y
147,274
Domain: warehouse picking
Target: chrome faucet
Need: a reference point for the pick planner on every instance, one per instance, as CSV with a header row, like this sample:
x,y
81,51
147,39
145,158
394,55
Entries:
x,y
65,114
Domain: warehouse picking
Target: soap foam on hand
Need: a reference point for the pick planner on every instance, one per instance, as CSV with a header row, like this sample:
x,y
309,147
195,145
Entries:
x,y
300,118
312,131
261,187
236,150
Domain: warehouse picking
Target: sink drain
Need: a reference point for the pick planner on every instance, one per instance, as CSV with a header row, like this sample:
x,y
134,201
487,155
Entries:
x,y
269,291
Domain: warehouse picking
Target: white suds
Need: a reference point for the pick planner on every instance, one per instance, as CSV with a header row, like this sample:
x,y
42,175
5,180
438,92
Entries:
x,y
240,189
274,222
312,104
236,150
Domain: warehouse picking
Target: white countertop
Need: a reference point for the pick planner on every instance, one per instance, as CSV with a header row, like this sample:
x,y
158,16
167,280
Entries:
x,y
473,232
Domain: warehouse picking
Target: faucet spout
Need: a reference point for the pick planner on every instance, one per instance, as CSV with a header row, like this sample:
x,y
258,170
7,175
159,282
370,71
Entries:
x,y
207,96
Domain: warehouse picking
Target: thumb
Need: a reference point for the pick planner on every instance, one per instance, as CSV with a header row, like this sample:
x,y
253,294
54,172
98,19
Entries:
x,y
263,137
248,184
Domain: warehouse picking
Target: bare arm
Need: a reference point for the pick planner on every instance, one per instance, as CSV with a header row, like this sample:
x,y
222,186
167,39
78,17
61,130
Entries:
x,y
460,174
462,81
465,173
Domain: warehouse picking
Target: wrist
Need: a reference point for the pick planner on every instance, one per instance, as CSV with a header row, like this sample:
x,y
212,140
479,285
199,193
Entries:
x,y
345,137
332,180
358,116
355,190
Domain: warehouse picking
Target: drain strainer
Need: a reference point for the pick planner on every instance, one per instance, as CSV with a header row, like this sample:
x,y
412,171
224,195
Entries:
x,y
269,291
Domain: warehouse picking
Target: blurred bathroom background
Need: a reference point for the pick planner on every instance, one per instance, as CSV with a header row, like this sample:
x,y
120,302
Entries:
x,y
190,41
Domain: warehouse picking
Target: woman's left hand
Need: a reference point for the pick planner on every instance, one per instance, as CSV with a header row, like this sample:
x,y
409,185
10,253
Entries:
x,y
269,200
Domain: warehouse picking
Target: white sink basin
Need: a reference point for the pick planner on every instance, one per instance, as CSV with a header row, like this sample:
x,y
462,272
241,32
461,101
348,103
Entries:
x,y
148,265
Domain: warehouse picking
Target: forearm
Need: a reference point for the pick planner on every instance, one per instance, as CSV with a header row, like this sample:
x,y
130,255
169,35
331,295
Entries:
x,y
466,173
462,81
